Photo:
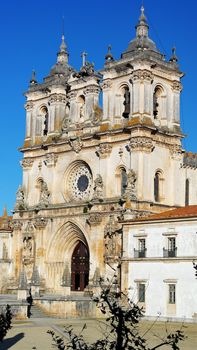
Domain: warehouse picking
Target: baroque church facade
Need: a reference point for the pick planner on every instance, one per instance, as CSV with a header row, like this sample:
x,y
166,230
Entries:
x,y
100,147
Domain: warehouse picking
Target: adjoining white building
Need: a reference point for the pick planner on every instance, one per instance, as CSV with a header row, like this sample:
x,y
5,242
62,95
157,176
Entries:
x,y
158,255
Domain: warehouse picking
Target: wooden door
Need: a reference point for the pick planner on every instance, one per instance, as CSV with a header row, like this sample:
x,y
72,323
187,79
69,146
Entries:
x,y
80,267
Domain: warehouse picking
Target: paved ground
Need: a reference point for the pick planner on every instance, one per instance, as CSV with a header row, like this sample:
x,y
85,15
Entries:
x,y
25,335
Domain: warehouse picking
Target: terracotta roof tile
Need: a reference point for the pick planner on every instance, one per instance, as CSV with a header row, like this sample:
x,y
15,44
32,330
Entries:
x,y
183,212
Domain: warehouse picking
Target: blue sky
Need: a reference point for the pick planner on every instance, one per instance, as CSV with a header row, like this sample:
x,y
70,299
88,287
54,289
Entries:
x,y
30,38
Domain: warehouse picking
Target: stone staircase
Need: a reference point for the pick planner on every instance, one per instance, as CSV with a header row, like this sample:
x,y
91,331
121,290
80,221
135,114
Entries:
x,y
37,312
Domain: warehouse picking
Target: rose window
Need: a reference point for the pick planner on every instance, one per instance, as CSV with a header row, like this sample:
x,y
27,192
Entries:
x,y
80,182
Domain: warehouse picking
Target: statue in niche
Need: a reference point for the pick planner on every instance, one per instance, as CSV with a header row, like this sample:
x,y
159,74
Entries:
x,y
44,194
112,238
20,203
28,241
66,120
96,114
98,187
82,112
27,247
130,191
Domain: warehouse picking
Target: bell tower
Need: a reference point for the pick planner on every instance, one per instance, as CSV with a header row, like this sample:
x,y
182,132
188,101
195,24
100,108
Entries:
x,y
142,85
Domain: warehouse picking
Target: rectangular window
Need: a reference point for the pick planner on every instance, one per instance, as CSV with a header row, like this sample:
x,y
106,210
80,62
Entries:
x,y
141,292
172,293
142,244
172,244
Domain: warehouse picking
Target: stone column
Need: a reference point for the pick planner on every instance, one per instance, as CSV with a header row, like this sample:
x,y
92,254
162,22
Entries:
x,y
177,88
107,100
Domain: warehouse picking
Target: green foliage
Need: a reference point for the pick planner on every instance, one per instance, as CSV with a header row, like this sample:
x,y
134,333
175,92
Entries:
x,y
5,322
122,327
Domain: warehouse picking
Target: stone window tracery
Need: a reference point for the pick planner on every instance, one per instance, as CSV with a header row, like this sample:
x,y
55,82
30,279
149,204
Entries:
x,y
79,182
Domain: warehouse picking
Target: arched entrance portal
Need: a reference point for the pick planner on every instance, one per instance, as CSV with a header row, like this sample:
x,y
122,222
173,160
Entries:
x,y
80,267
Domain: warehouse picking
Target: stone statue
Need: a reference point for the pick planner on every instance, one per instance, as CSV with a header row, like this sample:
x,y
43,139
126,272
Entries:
x,y
20,203
98,187
112,239
27,247
130,191
44,194
96,115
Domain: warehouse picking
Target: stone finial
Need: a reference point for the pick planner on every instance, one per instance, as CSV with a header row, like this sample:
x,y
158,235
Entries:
x,y
62,56
22,280
174,57
33,80
35,279
109,56
5,214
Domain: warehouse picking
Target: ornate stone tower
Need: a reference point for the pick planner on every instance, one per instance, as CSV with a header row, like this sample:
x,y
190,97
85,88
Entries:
x,y
87,165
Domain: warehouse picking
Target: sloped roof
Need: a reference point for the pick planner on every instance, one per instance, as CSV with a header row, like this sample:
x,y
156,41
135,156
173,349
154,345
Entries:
x,y
183,212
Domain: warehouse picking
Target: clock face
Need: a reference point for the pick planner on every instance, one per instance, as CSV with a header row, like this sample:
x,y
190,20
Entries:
x,y
80,183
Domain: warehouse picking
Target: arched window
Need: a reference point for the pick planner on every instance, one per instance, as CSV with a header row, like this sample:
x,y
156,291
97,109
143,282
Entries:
x,y
158,186
187,192
45,114
158,102
126,102
123,180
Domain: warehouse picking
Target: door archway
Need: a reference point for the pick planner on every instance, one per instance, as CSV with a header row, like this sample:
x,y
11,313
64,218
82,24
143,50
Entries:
x,y
80,267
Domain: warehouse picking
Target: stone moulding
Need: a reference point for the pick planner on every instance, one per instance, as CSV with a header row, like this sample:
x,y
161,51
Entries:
x,y
26,163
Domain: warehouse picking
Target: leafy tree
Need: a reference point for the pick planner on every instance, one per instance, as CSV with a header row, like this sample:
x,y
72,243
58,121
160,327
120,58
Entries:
x,y
122,327
5,322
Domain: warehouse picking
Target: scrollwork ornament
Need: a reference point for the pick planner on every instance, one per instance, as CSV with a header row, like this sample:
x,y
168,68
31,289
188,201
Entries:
x,y
40,222
107,84
26,163
177,86
76,144
141,144
51,159
58,98
95,218
104,150
142,75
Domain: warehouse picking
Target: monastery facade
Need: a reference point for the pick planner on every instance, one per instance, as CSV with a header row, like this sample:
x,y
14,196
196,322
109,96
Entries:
x,y
100,148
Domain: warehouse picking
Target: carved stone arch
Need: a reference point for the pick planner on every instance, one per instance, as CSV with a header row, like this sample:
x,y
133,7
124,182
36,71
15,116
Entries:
x,y
121,179
61,248
78,182
159,101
